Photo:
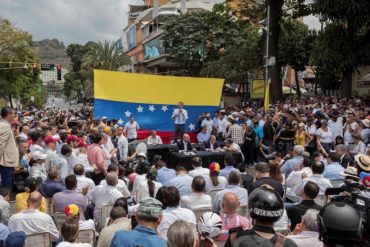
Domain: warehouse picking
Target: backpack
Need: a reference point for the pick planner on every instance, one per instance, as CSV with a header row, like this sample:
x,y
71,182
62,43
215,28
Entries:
x,y
255,240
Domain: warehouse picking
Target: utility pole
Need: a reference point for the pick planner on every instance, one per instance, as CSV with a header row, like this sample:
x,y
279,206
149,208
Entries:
x,y
267,55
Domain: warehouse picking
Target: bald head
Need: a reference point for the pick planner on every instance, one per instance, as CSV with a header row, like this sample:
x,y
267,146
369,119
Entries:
x,y
230,203
34,200
186,138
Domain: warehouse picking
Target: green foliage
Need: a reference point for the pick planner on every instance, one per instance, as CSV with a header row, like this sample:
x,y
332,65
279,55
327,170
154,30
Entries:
x,y
295,43
344,45
212,43
16,75
105,56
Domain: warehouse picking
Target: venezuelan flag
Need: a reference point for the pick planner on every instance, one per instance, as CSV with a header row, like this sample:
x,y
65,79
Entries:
x,y
151,99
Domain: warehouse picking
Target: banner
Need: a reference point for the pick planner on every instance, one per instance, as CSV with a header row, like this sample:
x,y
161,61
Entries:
x,y
151,99
258,90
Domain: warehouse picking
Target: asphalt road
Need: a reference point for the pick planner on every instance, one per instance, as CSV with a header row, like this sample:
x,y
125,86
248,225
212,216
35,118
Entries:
x,y
62,104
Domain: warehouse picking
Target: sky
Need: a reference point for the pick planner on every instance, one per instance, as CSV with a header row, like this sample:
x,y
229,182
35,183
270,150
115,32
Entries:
x,y
76,21
70,21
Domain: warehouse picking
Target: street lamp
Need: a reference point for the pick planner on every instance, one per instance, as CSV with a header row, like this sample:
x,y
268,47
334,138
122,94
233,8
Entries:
x,y
267,60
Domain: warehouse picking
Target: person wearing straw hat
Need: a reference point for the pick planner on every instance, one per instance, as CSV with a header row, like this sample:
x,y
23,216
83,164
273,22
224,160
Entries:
x,y
363,162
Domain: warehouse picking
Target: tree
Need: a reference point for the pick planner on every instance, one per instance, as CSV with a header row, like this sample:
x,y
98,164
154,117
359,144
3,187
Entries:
x,y
344,45
105,56
295,45
16,75
197,39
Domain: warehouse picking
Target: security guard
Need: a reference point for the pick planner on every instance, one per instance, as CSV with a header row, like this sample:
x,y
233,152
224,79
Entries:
x,y
265,207
340,225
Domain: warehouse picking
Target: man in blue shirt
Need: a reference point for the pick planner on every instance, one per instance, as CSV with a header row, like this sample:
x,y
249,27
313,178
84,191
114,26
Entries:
x,y
291,164
148,216
203,135
182,181
229,162
164,174
333,170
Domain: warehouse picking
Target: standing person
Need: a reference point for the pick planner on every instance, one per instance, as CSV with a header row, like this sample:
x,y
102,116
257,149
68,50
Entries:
x,y
122,144
324,137
268,131
249,146
9,155
95,156
349,129
208,122
180,115
131,129
50,151
301,136
236,132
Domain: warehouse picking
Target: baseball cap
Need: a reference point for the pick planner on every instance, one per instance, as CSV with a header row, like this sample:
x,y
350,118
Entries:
x,y
38,155
50,139
150,207
299,149
16,239
214,167
82,144
72,138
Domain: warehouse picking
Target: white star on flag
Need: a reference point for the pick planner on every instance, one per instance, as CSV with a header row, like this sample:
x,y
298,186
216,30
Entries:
x,y
151,108
140,108
127,113
164,108
191,126
119,121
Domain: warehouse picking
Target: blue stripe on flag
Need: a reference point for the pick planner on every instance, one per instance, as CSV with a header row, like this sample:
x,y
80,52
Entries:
x,y
148,116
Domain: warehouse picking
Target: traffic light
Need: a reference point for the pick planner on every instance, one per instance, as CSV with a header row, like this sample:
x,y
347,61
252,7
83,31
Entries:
x,y
59,72
34,69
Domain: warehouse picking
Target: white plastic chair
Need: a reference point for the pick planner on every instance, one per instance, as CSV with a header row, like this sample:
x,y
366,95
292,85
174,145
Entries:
x,y
87,236
212,193
13,208
59,219
38,240
198,212
105,213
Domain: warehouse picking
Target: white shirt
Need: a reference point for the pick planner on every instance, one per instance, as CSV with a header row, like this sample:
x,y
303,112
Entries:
x,y
103,195
293,181
318,179
196,200
208,124
121,186
109,145
180,116
221,125
83,182
49,161
68,244
38,170
325,136
62,164
131,129
143,190
156,140
222,182
306,239
336,127
199,171
82,159
122,145
138,179
33,221
173,214
347,137
35,147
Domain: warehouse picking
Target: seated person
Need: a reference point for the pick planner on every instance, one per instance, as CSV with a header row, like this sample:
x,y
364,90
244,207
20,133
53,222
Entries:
x,y
203,135
21,198
211,144
184,143
231,147
308,194
153,139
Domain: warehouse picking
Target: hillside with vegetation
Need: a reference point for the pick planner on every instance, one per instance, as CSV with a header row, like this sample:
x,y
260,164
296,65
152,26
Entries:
x,y
52,51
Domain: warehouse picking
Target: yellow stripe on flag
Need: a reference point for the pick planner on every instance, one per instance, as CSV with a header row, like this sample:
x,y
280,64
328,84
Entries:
x,y
154,89
267,97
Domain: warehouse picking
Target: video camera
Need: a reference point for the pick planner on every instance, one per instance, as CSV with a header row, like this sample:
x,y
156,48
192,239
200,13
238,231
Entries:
x,y
352,192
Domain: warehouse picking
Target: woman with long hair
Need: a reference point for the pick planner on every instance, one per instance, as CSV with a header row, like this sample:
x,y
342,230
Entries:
x,y
301,136
69,231
149,187
218,182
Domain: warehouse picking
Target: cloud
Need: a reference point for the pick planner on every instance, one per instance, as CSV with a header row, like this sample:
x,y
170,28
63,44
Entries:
x,y
71,21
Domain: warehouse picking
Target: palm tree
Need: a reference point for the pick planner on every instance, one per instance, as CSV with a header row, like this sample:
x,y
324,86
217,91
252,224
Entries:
x,y
105,56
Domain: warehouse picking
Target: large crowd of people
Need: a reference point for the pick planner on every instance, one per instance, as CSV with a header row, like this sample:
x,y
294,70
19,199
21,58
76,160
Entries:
x,y
56,162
